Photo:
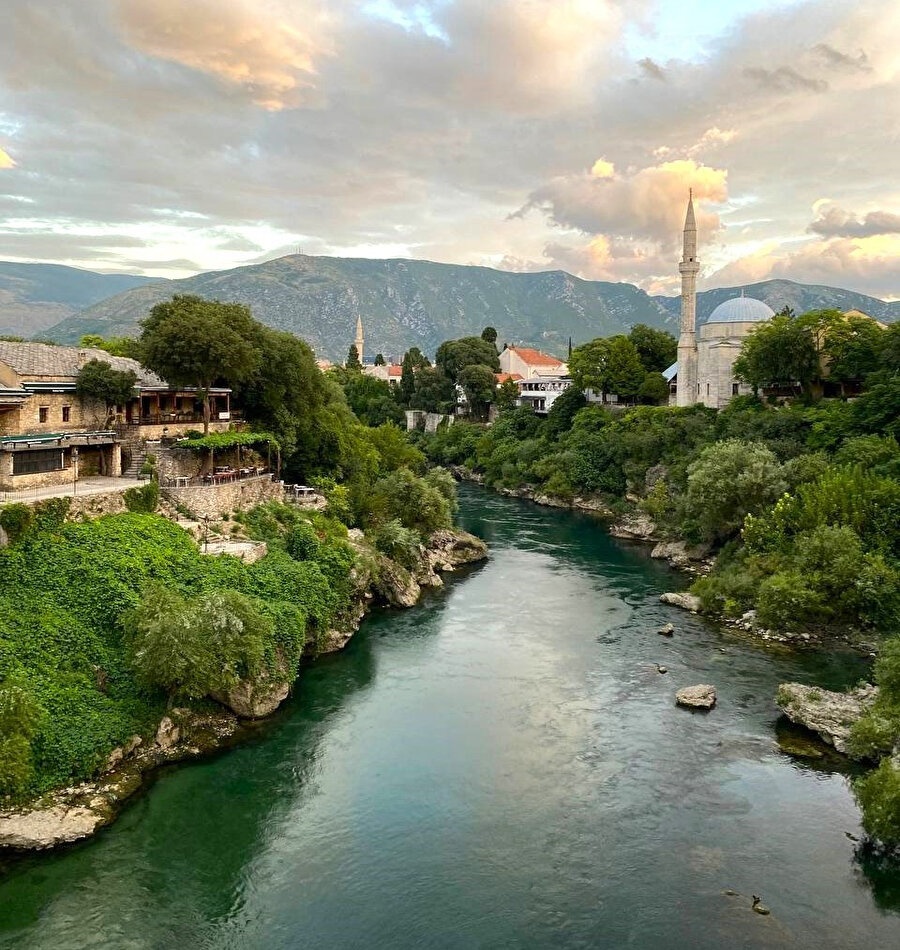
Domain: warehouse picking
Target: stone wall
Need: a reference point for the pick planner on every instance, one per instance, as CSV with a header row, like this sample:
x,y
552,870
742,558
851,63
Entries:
x,y
83,414
212,501
429,421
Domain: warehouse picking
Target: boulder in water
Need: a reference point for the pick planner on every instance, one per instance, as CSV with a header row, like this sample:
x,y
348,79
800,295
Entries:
x,y
683,600
702,696
667,630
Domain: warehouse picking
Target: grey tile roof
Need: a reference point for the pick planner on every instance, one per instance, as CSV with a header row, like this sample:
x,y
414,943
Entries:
x,y
42,359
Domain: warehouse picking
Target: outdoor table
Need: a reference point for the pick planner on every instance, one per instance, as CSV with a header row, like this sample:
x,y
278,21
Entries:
x,y
181,481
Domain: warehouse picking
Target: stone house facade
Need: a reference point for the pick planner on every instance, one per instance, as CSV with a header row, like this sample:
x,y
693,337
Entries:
x,y
50,436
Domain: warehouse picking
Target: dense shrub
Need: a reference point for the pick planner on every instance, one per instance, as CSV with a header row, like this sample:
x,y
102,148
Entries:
x,y
730,480
143,499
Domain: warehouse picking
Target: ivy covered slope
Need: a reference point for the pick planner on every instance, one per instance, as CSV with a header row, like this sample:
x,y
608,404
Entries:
x,y
106,624
82,667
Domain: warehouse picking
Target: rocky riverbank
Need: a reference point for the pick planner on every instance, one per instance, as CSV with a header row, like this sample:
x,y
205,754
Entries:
x,y
632,524
71,814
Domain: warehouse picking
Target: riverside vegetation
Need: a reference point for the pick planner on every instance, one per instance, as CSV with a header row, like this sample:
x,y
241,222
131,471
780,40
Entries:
x,y
798,501
107,624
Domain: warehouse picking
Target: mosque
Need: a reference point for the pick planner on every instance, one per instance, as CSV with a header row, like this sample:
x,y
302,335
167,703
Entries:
x,y
703,373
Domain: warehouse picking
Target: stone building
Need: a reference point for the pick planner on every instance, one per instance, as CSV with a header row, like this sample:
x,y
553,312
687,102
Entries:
x,y
49,435
704,370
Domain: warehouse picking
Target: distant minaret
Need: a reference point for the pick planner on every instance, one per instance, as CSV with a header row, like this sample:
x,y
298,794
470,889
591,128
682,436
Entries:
x,y
687,340
359,339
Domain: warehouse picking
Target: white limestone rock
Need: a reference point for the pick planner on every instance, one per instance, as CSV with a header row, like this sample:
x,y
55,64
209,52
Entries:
x,y
702,696
637,526
46,828
683,600
830,714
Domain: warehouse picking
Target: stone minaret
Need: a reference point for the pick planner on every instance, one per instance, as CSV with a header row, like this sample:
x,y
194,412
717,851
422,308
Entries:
x,y
358,342
687,340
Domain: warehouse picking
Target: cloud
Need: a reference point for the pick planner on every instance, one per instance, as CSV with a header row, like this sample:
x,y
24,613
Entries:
x,y
712,138
651,69
242,44
603,169
213,130
833,221
785,79
867,264
647,203
835,58
5,160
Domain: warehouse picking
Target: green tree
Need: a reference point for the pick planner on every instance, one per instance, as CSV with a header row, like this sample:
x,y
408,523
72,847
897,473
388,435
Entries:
x,y
656,349
190,341
453,356
852,348
489,334
98,380
780,352
115,346
728,481
353,358
890,349
412,501
379,359
480,386
654,389
192,647
562,413
608,365
434,391
507,395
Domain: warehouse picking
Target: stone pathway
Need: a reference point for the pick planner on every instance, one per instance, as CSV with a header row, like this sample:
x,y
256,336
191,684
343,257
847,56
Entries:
x,y
97,485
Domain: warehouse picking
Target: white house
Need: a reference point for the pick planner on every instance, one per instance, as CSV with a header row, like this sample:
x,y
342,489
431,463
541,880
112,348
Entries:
x,y
529,363
540,392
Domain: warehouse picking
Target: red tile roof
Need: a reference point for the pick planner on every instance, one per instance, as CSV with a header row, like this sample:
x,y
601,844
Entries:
x,y
535,357
503,377
395,370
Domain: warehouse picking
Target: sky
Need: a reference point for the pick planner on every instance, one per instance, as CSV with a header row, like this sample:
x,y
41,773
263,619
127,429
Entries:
x,y
166,137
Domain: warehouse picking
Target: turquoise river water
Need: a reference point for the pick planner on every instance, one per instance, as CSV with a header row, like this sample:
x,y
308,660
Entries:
x,y
499,767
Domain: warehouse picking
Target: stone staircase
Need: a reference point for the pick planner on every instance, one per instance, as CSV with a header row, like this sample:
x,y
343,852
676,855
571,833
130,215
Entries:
x,y
138,457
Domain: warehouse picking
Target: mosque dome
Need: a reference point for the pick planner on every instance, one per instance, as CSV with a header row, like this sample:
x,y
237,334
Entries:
x,y
741,310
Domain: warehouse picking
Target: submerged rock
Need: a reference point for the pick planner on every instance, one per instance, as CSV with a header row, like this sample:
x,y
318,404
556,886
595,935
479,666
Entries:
x,y
830,714
702,696
667,630
684,600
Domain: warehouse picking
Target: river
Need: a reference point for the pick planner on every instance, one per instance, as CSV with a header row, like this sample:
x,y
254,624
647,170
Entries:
x,y
501,766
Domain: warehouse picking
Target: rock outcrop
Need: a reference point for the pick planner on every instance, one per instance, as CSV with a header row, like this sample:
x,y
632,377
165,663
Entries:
x,y
636,526
702,696
825,712
73,813
683,600
256,698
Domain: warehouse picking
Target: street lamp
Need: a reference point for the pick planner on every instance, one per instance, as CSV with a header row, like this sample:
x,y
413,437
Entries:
x,y
206,534
74,469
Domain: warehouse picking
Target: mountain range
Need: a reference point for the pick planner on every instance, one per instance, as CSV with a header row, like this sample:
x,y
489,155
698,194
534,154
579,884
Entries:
x,y
34,297
402,302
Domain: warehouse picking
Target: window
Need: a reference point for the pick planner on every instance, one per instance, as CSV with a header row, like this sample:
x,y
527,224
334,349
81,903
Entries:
x,y
66,413
734,389
43,414
44,460
707,389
